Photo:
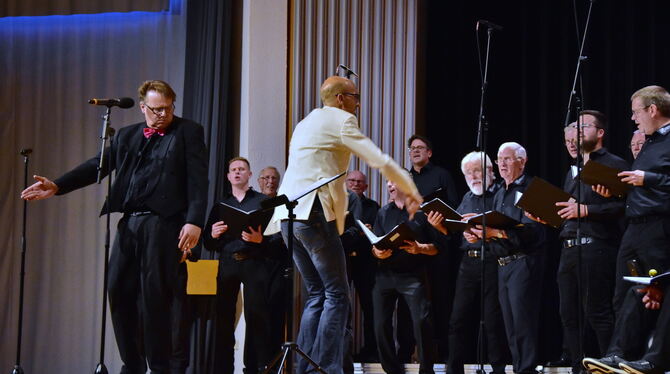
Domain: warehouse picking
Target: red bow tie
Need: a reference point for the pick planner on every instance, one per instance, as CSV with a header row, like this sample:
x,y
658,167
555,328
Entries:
x,y
149,132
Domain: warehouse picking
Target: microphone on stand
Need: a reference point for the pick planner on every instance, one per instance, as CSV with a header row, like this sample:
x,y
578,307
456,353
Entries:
x,y
122,102
489,24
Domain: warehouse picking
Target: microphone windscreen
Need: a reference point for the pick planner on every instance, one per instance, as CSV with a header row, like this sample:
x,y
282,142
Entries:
x,y
126,102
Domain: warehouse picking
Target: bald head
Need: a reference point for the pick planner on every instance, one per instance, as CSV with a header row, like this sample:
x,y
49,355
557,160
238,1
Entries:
x,y
340,92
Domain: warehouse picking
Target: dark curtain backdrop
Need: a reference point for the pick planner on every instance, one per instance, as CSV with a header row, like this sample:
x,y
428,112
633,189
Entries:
x,y
532,64
207,100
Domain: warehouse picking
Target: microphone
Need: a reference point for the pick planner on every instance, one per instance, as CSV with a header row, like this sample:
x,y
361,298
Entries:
x,y
347,71
122,102
26,151
489,24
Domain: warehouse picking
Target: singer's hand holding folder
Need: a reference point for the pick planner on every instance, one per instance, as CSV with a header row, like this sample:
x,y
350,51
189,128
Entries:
x,y
239,220
392,240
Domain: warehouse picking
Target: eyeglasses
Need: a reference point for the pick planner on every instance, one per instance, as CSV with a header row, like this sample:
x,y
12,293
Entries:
x,y
356,181
354,95
584,125
507,160
634,112
417,148
269,177
162,110
638,144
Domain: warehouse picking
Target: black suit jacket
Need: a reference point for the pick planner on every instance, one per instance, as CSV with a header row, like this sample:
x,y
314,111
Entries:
x,y
182,184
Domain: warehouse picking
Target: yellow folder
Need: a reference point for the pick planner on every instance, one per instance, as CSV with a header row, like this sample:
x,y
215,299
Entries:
x,y
202,277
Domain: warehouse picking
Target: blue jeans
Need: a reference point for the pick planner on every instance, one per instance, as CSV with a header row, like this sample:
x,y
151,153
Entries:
x,y
318,255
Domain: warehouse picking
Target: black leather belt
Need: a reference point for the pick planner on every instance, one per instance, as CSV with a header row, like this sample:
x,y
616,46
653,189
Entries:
x,y
567,243
474,253
503,261
140,213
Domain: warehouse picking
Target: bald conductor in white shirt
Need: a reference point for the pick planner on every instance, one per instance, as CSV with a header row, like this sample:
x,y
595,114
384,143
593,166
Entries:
x,y
321,147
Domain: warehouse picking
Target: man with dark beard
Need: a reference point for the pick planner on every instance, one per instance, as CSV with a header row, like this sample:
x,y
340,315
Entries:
x,y
600,234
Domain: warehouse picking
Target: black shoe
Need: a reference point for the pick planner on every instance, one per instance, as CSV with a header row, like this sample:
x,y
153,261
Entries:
x,y
605,365
640,367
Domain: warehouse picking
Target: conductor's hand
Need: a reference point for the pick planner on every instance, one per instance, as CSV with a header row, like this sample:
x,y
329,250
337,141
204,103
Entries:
x,y
43,189
412,203
436,220
381,254
635,177
188,238
253,236
218,229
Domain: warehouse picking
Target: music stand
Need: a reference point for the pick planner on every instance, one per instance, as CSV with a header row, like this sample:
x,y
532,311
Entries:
x,y
289,345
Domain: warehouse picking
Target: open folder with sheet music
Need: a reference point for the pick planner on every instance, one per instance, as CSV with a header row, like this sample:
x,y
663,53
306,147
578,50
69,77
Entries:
x,y
238,220
456,222
540,200
661,279
438,205
595,173
494,219
391,240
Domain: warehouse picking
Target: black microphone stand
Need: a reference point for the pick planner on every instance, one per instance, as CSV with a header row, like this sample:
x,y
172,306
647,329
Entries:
x,y
578,109
286,364
482,130
107,133
17,366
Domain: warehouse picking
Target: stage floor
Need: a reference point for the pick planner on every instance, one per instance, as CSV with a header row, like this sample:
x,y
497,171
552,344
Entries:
x,y
376,368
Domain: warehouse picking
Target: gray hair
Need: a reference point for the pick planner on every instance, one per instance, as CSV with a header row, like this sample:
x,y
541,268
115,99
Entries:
x,y
519,151
475,156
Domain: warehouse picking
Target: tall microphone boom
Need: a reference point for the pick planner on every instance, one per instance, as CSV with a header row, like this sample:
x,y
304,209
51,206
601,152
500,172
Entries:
x,y
489,24
122,102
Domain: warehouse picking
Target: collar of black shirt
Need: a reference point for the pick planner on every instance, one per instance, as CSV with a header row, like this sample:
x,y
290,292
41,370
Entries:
x,y
424,169
664,129
247,194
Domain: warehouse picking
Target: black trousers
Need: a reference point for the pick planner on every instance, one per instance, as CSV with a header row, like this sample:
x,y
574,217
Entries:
x,y
144,274
519,290
659,352
633,327
649,243
389,287
258,347
596,278
363,276
466,306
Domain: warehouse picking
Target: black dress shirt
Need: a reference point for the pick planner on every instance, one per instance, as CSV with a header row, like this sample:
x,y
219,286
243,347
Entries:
x,y
653,198
390,216
526,238
147,169
228,244
431,178
604,213
472,203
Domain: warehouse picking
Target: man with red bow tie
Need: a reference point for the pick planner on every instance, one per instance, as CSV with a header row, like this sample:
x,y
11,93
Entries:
x,y
160,186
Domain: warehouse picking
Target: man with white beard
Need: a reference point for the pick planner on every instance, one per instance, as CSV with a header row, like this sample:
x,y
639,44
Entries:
x,y
468,283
